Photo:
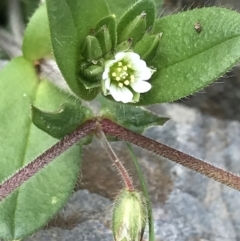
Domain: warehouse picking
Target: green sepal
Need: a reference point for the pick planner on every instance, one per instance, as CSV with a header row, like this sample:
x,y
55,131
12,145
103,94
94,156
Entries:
x,y
147,47
104,39
134,118
62,122
36,41
124,46
134,30
91,49
92,76
129,216
146,6
110,23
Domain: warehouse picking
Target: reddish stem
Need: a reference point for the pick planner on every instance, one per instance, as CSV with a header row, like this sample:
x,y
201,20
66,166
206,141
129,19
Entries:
x,y
21,176
120,168
218,174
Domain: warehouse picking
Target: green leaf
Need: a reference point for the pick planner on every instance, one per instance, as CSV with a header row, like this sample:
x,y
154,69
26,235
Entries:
x,y
188,60
145,192
38,199
136,119
76,18
119,7
86,14
36,41
62,122
147,6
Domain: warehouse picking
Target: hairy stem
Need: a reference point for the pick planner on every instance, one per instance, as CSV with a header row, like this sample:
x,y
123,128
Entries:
x,y
121,169
21,176
218,174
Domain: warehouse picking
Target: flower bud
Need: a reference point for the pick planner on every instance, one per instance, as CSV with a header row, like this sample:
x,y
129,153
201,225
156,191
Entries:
x,y
104,39
93,76
124,46
135,29
147,47
90,48
129,216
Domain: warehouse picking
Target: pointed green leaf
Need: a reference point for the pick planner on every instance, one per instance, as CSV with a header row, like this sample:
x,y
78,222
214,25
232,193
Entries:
x,y
37,200
86,14
119,7
146,6
188,60
70,22
134,118
62,122
36,41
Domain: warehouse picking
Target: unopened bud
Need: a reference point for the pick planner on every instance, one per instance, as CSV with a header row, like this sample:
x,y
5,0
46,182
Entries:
x,y
90,48
147,47
129,216
124,46
104,39
135,29
92,76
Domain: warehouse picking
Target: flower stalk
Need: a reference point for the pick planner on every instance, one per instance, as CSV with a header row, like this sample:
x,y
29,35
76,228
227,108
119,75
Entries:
x,y
120,168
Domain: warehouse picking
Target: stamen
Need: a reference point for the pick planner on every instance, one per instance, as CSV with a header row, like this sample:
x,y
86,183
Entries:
x,y
119,63
119,69
114,74
125,68
132,78
120,85
118,78
126,82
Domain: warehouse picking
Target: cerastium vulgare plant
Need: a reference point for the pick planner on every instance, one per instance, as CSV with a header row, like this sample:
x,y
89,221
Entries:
x,y
122,57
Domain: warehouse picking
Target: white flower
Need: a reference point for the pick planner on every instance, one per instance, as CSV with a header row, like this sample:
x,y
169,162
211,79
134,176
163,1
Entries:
x,y
125,77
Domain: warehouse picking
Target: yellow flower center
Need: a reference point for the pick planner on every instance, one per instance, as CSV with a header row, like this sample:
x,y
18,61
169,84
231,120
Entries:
x,y
122,74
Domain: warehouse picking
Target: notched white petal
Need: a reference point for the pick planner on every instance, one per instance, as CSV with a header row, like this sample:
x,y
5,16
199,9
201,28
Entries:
x,y
115,93
141,86
119,56
127,95
107,83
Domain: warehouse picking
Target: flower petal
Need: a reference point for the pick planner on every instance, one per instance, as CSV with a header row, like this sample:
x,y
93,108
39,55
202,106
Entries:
x,y
141,86
119,56
127,95
105,74
144,74
132,57
107,83
121,94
